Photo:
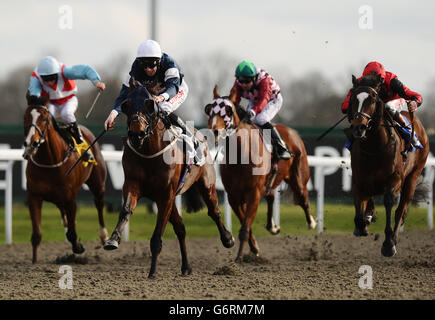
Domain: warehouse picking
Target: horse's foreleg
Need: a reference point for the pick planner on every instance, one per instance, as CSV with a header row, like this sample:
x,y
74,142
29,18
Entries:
x,y
71,234
130,203
35,206
388,247
360,203
245,233
210,198
270,225
98,191
180,231
165,208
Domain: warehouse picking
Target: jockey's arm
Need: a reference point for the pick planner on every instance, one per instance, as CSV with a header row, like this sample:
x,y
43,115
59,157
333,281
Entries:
x,y
399,88
238,92
172,83
82,72
121,98
264,94
34,87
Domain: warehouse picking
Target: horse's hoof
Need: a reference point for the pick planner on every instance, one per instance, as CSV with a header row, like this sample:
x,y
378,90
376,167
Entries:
x,y
152,276
228,243
111,244
388,251
360,233
274,230
78,249
186,271
312,225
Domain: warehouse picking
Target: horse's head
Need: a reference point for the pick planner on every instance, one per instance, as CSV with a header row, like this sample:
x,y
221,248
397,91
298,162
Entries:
x,y
36,125
139,108
365,107
222,114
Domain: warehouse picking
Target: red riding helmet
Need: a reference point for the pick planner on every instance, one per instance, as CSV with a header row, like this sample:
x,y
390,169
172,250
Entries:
x,y
374,67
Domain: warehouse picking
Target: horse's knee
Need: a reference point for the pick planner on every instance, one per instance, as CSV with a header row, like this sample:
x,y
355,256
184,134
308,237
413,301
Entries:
x,y
243,234
36,238
155,244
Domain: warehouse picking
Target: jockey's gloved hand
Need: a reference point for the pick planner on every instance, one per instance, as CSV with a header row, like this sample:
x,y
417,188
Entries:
x,y
250,115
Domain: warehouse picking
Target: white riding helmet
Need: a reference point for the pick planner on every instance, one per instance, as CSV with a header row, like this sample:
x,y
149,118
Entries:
x,y
149,49
48,65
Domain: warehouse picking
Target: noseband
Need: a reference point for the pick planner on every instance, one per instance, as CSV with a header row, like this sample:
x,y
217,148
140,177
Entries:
x,y
359,114
41,133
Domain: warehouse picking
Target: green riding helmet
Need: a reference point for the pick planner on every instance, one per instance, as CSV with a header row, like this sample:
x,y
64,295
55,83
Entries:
x,y
246,69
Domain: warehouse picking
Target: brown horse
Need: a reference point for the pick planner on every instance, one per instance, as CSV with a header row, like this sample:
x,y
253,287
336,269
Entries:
x,y
49,158
156,168
247,179
378,164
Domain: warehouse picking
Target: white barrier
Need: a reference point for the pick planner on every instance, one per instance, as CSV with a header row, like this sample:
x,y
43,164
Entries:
x,y
321,164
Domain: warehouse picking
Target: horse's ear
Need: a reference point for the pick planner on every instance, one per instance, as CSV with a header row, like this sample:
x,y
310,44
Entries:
x,y
149,106
354,81
233,95
379,79
215,92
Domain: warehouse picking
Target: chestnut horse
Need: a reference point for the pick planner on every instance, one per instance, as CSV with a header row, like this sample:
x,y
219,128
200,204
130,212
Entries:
x,y
246,182
155,168
378,166
49,158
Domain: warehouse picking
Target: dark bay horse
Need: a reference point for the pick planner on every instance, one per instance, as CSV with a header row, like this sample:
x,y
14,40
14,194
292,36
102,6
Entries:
x,y
249,173
155,167
378,166
49,158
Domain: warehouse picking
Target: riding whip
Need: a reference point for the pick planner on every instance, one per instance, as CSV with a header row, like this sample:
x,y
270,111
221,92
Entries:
x,y
82,156
327,131
93,104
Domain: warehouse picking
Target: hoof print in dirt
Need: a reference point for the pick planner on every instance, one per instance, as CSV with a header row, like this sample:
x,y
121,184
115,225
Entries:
x,y
71,258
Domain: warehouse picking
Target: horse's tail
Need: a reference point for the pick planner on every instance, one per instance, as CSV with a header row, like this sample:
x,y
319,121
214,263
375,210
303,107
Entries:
x,y
421,193
193,200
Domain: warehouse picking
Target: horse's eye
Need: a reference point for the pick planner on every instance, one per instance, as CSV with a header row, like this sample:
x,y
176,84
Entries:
x,y
207,109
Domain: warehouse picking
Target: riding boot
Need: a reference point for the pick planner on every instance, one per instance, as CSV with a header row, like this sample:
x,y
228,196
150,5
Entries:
x,y
175,120
75,131
280,148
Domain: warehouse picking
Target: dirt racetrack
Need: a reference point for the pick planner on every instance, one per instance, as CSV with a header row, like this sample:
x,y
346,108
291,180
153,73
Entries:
x,y
290,267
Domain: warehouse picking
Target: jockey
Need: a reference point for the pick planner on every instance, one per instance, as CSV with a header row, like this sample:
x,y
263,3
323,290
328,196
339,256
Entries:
x,y
163,78
265,100
395,95
55,81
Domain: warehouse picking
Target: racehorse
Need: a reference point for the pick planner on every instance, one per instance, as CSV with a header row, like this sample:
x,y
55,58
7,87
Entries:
x,y
379,165
49,157
247,181
149,173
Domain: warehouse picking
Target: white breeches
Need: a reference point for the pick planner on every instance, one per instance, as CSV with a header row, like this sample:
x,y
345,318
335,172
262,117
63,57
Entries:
x,y
64,111
269,112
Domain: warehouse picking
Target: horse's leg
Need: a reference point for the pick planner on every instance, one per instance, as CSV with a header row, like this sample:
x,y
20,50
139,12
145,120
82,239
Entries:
x,y
389,247
98,188
245,233
360,203
131,196
71,209
164,206
300,195
209,195
370,211
35,206
271,226
180,231
406,196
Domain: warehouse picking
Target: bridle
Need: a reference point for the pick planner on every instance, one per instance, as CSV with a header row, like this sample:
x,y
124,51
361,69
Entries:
x,y
359,114
42,140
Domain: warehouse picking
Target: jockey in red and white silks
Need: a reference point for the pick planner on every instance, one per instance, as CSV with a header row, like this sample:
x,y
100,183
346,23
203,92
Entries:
x,y
55,81
264,97
265,101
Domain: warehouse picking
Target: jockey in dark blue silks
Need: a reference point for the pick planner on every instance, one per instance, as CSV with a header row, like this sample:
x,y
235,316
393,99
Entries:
x,y
163,78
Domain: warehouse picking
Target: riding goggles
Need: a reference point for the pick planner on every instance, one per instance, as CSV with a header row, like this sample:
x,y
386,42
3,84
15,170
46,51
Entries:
x,y
245,80
148,63
50,77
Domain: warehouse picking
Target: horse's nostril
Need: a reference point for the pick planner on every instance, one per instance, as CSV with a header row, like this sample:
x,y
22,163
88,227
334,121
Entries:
x,y
34,144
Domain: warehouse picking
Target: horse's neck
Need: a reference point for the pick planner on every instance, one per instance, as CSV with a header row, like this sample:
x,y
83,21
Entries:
x,y
53,150
383,137
249,144
156,141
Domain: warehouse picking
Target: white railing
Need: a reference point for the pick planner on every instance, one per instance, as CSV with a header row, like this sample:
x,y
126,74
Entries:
x,y
323,167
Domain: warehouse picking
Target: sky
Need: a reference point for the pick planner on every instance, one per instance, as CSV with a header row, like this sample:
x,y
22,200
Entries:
x,y
289,38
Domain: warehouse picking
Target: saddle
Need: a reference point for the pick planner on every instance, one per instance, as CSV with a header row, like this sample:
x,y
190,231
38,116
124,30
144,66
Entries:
x,y
66,135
